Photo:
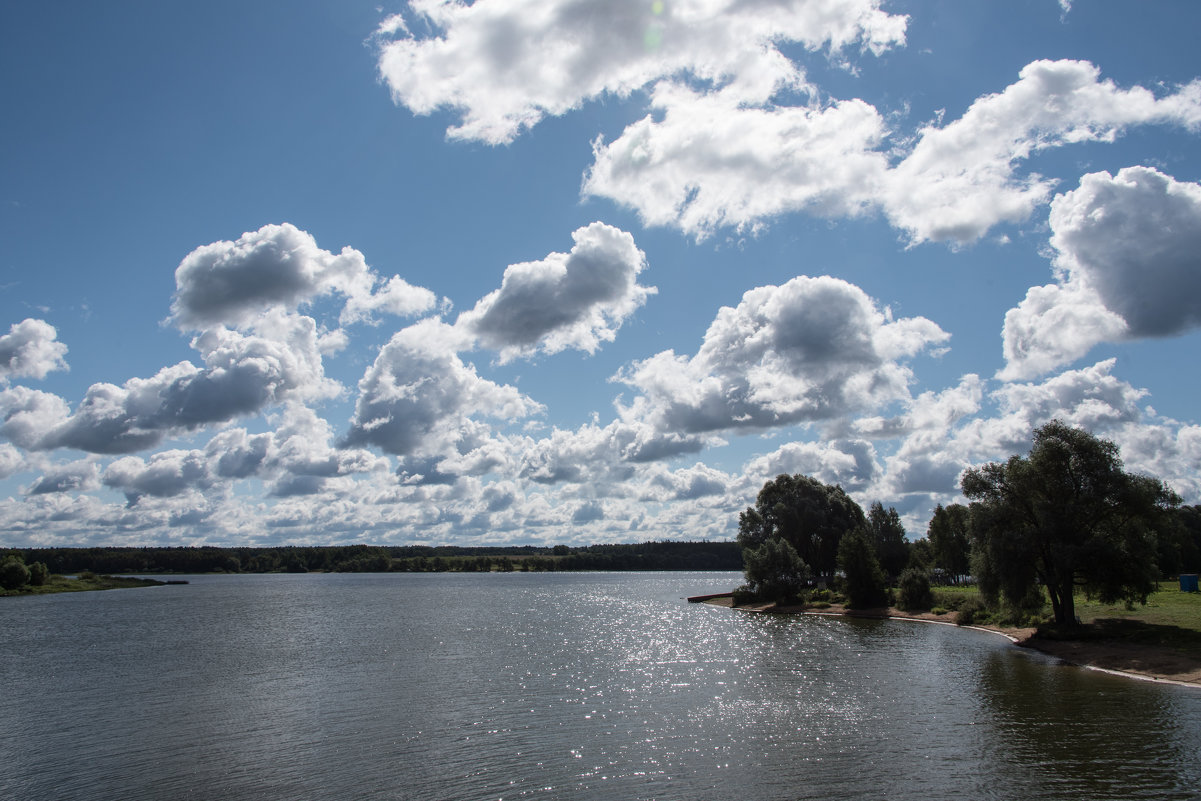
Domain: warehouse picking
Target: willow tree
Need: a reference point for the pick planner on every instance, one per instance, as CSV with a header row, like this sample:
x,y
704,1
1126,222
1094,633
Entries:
x,y
810,516
1065,517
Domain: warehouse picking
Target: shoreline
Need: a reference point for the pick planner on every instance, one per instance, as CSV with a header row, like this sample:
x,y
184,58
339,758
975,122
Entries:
x,y
1114,658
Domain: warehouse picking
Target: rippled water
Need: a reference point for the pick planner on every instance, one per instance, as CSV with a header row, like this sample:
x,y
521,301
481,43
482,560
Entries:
x,y
576,686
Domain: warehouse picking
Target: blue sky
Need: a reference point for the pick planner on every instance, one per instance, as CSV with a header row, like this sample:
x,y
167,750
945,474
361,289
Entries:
x,y
579,271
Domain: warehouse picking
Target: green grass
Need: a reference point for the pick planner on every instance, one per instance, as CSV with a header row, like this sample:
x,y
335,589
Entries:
x,y
1170,620
1168,607
84,583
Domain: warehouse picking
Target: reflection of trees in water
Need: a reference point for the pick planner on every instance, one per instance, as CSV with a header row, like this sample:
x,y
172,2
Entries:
x,y
1068,733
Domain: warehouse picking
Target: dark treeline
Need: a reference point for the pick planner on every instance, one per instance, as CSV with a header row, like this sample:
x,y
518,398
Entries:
x,y
381,559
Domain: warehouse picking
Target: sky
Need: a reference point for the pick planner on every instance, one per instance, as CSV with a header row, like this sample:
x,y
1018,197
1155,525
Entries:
x,y
580,271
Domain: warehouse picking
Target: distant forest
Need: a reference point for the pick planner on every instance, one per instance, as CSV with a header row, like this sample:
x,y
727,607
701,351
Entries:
x,y
387,559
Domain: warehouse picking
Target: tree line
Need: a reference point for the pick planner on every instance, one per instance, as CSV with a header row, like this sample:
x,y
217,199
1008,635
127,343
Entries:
x,y
376,559
1065,519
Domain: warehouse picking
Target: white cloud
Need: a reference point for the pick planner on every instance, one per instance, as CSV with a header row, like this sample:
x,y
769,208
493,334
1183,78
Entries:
x,y
280,268
1128,260
729,158
813,349
31,349
12,461
419,397
164,474
961,179
28,416
567,300
713,161
850,463
78,476
503,65
244,374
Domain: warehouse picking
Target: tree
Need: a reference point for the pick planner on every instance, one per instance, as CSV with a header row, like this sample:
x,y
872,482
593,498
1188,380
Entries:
x,y
913,590
774,572
807,514
863,575
39,574
13,574
1065,517
888,535
948,535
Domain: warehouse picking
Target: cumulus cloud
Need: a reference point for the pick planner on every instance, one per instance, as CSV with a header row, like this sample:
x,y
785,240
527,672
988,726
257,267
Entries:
x,y
297,457
813,349
31,349
243,375
503,65
713,161
280,267
29,416
850,463
1128,260
419,397
961,179
12,461
567,300
725,158
78,476
164,474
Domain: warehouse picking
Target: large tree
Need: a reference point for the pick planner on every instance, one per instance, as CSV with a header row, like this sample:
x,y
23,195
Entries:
x,y
807,514
1066,516
888,536
948,535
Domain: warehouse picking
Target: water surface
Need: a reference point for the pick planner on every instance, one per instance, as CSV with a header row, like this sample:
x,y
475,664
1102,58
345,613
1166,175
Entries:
x,y
573,686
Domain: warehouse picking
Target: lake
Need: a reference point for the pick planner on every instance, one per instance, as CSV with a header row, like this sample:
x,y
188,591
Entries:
x,y
551,686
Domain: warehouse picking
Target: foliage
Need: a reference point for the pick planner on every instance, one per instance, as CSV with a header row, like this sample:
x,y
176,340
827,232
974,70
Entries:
x,y
865,582
913,590
972,610
1180,544
810,516
774,571
949,540
372,558
921,555
1066,516
888,536
13,574
39,574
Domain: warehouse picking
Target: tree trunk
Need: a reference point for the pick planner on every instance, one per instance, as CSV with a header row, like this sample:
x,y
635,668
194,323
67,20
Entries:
x,y
1065,608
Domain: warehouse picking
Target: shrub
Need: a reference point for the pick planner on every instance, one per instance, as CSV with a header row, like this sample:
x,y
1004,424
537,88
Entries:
x,y
13,574
913,592
774,571
972,610
863,576
39,574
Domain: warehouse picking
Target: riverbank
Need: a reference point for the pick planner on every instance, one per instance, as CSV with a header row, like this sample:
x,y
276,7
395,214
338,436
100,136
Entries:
x,y
84,583
1103,647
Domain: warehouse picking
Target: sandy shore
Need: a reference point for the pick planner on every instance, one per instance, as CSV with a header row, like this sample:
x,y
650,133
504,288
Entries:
x,y
1126,659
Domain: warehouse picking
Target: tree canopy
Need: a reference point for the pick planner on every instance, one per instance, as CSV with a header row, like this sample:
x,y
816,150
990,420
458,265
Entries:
x,y
948,535
1065,516
810,516
888,536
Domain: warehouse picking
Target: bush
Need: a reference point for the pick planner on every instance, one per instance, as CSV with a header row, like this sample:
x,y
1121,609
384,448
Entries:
x,y
913,592
39,574
13,574
972,610
863,576
774,572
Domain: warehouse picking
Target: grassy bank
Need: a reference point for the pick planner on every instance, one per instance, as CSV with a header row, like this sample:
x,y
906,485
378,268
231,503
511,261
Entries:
x,y
85,582
1167,607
